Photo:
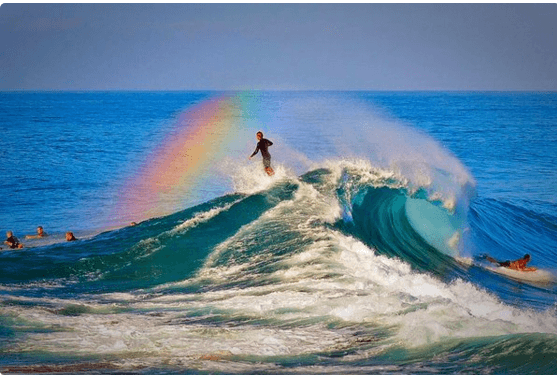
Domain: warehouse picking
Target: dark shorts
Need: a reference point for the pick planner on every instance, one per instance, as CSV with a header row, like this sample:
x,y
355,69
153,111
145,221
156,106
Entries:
x,y
505,264
267,162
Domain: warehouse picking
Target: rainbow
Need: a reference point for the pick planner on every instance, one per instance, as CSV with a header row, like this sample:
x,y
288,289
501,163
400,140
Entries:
x,y
201,136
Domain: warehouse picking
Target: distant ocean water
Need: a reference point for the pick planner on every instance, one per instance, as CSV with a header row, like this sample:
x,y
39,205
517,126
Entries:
x,y
361,255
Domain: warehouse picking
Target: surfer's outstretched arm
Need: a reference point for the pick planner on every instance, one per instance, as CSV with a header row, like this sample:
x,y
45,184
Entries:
x,y
255,152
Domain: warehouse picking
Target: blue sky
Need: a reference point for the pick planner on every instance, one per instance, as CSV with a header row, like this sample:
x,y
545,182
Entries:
x,y
278,46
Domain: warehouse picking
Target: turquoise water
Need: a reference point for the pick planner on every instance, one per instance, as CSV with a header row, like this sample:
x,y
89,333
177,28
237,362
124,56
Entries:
x,y
361,255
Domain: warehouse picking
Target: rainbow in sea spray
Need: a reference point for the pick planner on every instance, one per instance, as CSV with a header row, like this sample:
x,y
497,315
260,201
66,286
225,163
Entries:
x,y
190,156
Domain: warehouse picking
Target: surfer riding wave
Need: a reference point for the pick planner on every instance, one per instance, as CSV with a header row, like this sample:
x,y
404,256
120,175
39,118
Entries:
x,y
263,145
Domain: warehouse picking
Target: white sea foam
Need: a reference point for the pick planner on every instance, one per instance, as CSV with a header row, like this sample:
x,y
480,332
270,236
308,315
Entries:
x,y
202,217
165,335
252,179
334,278
428,310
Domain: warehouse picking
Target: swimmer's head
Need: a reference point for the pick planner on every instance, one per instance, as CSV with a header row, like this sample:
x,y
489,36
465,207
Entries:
x,y
527,257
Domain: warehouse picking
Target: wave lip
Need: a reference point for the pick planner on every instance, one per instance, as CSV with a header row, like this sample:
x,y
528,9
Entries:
x,y
387,211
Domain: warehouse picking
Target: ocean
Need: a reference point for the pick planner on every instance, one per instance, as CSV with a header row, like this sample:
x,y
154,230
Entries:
x,y
364,253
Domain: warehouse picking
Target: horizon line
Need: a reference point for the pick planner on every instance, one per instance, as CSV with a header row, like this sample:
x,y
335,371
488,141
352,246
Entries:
x,y
268,90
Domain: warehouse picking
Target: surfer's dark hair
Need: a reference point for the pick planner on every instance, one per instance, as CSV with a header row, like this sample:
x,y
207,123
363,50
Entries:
x,y
260,133
527,256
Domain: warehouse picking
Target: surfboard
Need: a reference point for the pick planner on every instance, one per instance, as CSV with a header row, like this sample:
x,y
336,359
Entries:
x,y
538,276
7,248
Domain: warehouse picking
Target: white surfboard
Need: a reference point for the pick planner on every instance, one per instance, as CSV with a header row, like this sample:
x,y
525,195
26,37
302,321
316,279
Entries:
x,y
538,276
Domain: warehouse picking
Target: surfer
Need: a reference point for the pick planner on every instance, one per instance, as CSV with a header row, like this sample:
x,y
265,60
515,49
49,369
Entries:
x,y
517,265
40,233
12,241
263,145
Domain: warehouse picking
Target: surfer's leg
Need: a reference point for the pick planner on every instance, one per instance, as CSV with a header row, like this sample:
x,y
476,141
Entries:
x,y
267,166
506,263
490,259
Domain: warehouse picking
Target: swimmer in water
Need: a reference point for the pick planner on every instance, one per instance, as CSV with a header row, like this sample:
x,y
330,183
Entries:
x,y
70,236
40,233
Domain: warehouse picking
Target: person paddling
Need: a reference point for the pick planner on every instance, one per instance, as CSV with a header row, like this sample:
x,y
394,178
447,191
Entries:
x,y
263,145
517,265
12,241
